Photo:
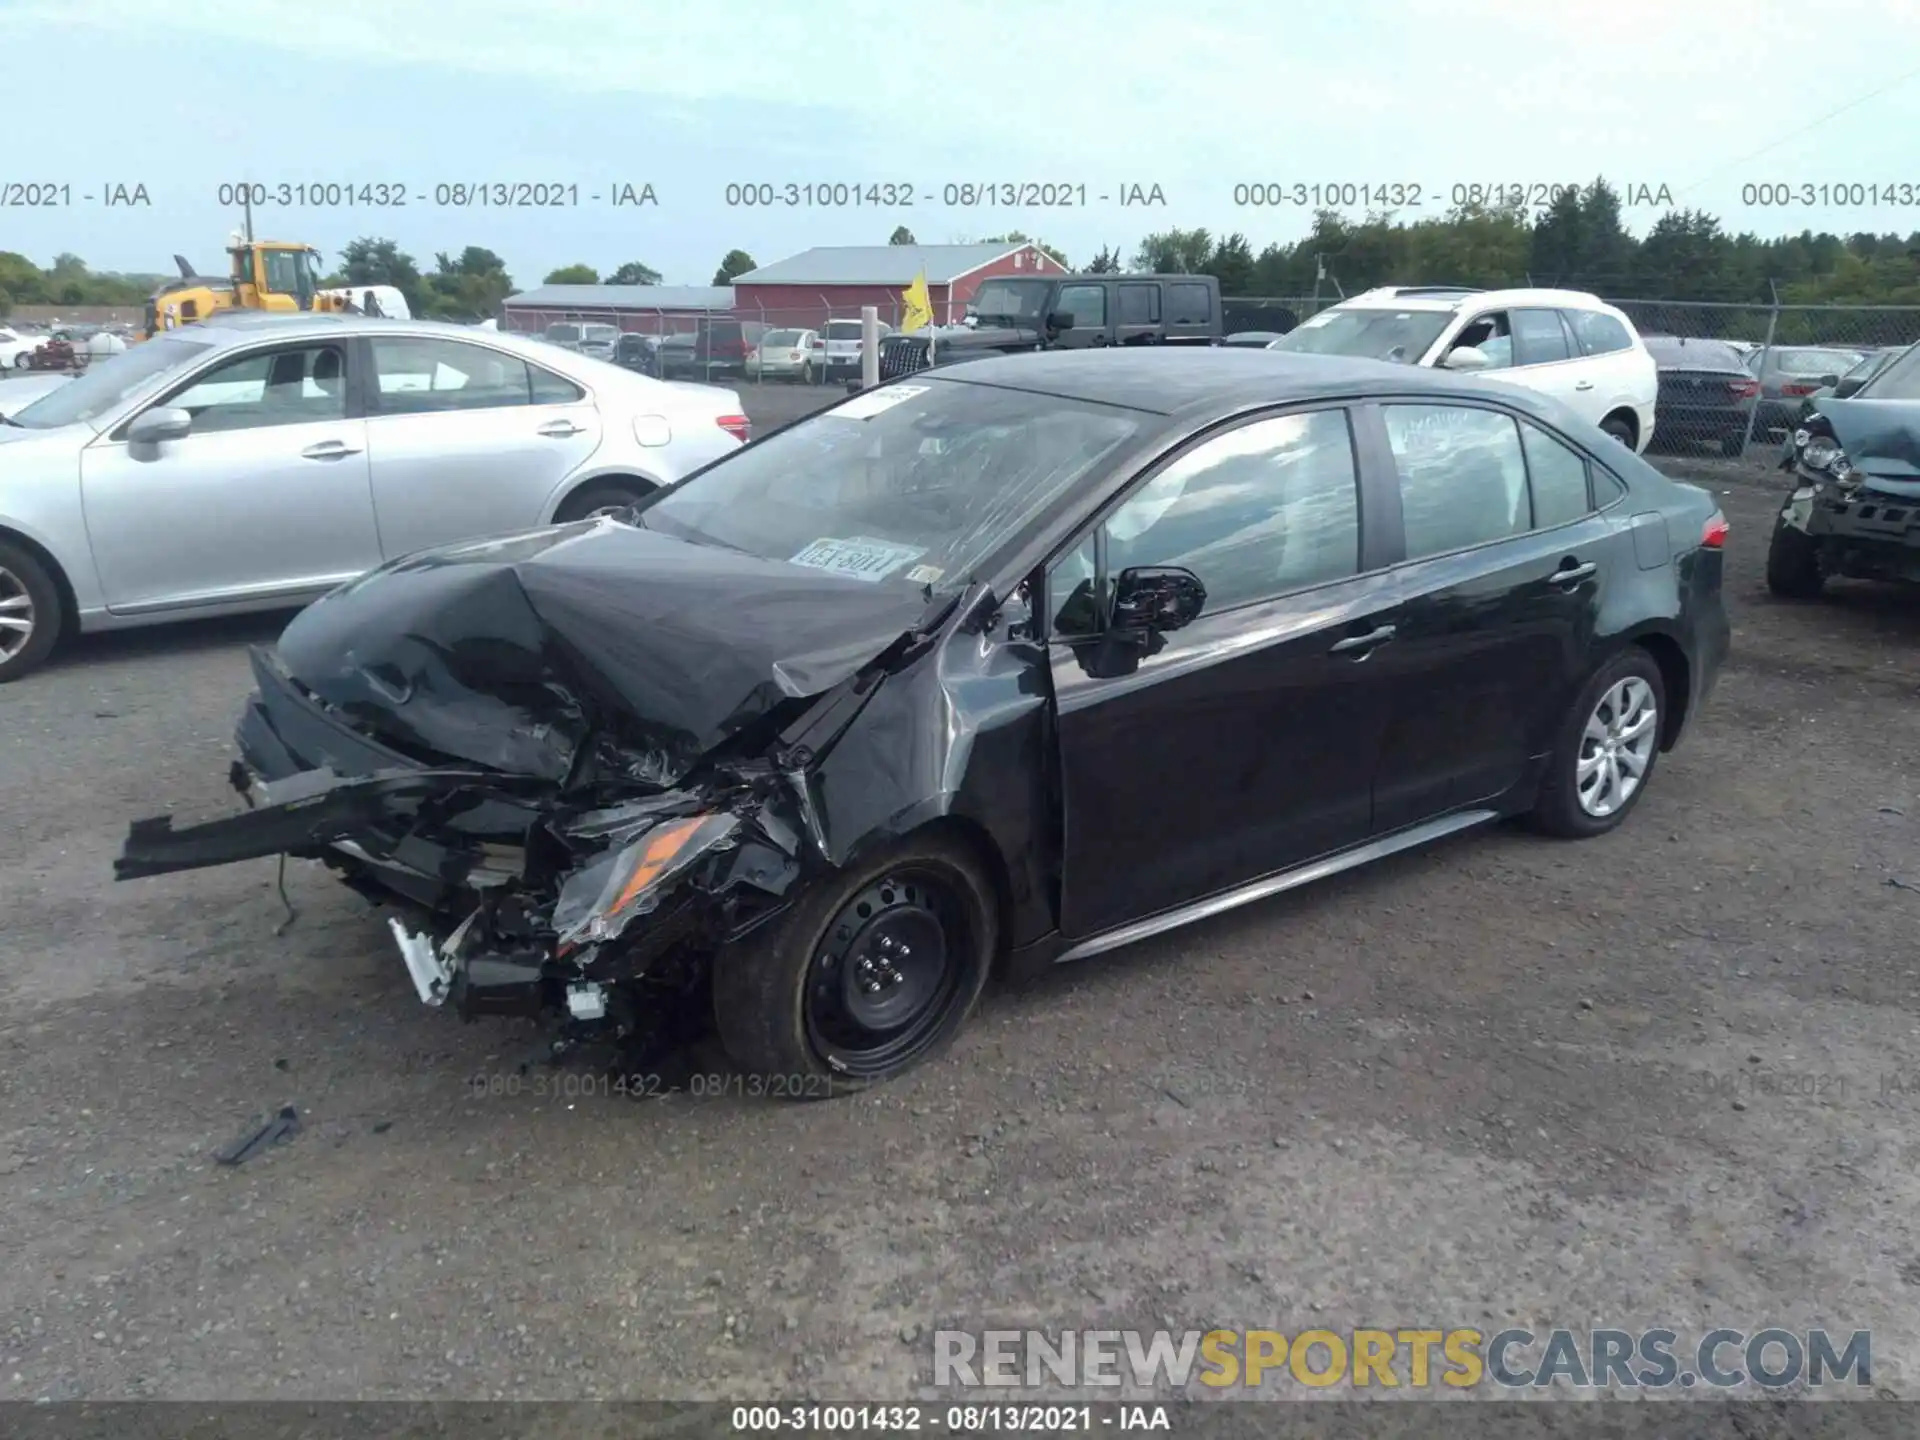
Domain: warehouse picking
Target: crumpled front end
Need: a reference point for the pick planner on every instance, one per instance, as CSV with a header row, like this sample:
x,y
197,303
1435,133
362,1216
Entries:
x,y
1856,466
518,896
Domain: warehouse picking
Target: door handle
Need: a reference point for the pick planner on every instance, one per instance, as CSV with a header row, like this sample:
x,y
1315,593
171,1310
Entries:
x,y
1361,646
1572,573
1583,385
558,429
329,450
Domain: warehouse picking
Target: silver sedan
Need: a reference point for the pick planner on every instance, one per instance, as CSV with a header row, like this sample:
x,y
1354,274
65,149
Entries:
x,y
258,462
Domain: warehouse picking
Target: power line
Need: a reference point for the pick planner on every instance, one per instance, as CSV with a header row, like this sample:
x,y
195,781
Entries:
x,y
1817,121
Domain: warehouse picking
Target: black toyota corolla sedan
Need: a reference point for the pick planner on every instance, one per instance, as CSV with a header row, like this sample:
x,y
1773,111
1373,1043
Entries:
x,y
1013,664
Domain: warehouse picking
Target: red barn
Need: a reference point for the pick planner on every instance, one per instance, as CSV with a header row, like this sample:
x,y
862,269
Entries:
x,y
832,282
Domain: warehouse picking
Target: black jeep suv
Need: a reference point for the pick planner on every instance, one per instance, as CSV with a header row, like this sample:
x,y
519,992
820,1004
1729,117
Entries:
x,y
1065,312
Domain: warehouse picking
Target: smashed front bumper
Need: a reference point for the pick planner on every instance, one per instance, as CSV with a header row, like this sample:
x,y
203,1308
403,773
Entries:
x,y
1862,532
520,897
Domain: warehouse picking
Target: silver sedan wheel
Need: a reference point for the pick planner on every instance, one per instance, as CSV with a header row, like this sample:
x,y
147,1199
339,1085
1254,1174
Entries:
x,y
1616,747
16,615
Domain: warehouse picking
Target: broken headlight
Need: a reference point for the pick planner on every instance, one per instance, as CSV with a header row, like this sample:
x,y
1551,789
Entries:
x,y
1819,452
628,881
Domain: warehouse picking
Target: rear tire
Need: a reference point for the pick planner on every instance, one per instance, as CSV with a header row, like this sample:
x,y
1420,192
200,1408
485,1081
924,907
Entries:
x,y
1793,564
802,1002
1734,446
605,497
1613,726
806,372
29,597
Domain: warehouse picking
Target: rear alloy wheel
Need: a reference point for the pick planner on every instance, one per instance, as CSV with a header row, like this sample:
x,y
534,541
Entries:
x,y
23,360
872,973
1607,749
1793,564
29,612
610,498
1619,429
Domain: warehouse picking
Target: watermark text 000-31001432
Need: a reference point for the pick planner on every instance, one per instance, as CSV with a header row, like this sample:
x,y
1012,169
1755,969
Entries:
x,y
1437,1359
323,193
1327,193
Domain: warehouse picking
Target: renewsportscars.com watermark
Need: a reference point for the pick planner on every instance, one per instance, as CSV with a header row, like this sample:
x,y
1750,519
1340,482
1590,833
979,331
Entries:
x,y
1419,1359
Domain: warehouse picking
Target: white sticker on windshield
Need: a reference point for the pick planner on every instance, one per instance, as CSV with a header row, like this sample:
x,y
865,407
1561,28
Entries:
x,y
861,558
1315,321
925,574
873,402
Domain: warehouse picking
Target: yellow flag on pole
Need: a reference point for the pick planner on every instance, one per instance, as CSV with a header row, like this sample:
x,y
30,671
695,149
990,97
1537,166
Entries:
x,y
919,306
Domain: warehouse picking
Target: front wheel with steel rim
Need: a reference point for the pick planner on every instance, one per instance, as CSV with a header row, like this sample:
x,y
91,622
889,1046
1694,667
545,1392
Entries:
x,y
1607,748
870,973
29,612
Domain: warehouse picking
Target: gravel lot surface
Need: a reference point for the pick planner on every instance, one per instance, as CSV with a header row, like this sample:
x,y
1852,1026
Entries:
x,y
1650,1079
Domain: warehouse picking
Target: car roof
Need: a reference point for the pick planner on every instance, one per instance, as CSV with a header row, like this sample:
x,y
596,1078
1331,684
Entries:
x,y
1191,381
1449,298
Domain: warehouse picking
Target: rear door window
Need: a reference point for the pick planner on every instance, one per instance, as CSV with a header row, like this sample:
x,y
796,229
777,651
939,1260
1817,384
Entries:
x,y
1086,303
1598,334
1538,337
1189,303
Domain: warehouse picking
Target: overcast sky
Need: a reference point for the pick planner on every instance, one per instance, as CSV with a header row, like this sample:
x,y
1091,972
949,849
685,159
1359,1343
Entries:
x,y
1195,98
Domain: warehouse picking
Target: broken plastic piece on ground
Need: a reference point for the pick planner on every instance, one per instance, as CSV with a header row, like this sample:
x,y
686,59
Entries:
x,y
268,1133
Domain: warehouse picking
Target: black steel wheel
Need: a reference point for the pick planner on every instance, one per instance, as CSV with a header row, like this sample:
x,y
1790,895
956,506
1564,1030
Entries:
x,y
870,974
1793,563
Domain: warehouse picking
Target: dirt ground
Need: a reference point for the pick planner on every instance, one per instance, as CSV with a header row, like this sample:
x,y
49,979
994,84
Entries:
x,y
1666,1077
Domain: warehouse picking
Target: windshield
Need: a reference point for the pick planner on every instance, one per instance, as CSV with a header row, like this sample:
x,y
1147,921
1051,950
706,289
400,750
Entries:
x,y
1011,300
907,483
1399,335
102,387
565,334
1899,381
601,334
777,338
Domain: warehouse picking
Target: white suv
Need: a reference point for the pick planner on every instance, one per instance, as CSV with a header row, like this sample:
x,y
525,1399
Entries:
x,y
1569,344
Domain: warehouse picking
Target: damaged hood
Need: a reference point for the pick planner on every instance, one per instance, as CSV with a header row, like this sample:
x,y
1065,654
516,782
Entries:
x,y
1881,438
514,653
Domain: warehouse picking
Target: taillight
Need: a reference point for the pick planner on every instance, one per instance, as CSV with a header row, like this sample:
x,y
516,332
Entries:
x,y
1714,535
818,343
1744,389
1798,389
737,426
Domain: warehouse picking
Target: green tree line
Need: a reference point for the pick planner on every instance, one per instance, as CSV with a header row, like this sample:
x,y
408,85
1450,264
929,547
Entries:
x,y
1578,243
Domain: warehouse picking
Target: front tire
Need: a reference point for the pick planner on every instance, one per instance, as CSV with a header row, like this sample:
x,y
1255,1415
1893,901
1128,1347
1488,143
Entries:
x,y
30,615
1607,749
607,497
1619,429
1793,564
865,977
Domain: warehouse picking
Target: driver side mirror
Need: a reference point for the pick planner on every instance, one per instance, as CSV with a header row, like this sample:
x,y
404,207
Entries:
x,y
1060,320
164,422
1156,598
1466,357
